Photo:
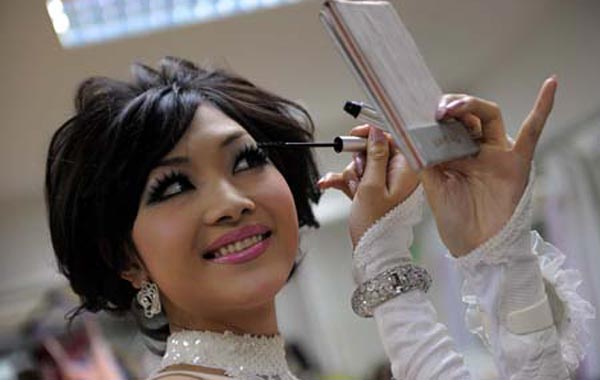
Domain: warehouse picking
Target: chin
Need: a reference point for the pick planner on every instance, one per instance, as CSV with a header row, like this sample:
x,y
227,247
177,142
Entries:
x,y
261,291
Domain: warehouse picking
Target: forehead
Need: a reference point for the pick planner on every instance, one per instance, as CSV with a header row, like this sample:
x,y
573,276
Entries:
x,y
208,128
211,121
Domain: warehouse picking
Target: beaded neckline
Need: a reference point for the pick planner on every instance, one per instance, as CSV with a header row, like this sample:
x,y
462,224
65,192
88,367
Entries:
x,y
244,357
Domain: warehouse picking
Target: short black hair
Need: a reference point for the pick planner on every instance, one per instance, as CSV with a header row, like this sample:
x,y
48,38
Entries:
x,y
99,160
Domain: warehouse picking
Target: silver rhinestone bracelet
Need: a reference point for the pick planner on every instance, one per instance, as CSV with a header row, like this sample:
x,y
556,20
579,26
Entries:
x,y
387,285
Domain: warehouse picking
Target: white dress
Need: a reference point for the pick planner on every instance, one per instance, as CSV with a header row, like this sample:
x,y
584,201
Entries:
x,y
519,300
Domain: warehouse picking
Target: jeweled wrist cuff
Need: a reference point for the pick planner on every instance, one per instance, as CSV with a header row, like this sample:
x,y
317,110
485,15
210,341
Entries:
x,y
387,285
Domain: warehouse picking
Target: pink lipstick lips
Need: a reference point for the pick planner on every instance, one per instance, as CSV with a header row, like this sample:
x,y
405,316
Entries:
x,y
239,246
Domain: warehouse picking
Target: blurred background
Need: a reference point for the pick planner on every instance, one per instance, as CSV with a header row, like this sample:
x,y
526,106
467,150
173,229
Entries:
x,y
499,50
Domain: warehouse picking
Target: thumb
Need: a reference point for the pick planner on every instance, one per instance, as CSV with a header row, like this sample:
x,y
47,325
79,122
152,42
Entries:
x,y
377,159
534,123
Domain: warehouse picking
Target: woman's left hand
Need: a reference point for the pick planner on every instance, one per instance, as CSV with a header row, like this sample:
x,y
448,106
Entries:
x,y
473,198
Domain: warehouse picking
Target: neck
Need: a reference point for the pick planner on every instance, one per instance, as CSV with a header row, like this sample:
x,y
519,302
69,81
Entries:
x,y
261,320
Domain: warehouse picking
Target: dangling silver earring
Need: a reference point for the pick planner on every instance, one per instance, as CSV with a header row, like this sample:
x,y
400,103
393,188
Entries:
x,y
149,300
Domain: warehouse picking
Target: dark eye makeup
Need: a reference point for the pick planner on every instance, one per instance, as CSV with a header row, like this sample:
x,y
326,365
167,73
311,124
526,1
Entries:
x,y
249,157
176,182
169,185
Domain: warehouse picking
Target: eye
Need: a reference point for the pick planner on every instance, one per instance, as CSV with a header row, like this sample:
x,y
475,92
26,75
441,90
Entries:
x,y
250,157
168,186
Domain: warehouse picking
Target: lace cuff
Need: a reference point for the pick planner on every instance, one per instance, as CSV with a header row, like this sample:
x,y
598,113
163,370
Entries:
x,y
571,312
386,243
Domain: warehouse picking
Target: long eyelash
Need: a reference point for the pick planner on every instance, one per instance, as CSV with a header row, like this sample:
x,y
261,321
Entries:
x,y
162,183
255,156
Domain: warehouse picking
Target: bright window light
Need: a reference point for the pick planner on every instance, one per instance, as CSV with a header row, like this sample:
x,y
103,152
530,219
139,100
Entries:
x,y
84,22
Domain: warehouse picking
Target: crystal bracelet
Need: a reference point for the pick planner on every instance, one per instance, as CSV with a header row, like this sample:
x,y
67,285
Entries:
x,y
387,285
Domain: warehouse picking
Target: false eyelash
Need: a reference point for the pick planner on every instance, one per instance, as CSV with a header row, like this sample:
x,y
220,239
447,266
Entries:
x,y
255,156
163,183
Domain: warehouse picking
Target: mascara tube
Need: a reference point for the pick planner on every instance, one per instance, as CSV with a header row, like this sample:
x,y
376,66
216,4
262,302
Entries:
x,y
364,112
349,144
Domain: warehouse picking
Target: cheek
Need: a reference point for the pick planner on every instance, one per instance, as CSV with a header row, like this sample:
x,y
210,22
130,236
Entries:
x,y
158,233
278,200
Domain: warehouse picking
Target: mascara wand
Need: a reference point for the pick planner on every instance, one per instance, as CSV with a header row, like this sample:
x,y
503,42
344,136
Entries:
x,y
339,144
358,110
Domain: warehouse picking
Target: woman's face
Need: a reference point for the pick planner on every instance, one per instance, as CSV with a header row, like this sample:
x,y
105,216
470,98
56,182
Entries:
x,y
216,229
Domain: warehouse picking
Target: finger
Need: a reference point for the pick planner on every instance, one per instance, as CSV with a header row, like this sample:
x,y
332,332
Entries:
x,y
487,112
359,163
440,113
334,181
472,122
378,150
361,130
533,125
330,180
351,179
346,181
360,158
350,172
393,146
449,98
473,125
399,174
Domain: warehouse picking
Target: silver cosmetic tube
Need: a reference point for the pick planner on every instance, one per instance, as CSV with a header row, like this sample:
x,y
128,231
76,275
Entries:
x,y
349,144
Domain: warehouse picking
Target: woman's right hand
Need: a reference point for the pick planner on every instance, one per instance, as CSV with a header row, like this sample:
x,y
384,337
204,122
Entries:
x,y
387,180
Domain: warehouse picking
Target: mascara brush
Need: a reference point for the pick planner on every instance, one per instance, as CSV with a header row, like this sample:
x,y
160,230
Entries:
x,y
339,144
358,110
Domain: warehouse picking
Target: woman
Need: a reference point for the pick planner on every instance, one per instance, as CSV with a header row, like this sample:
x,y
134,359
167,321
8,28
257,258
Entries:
x,y
161,199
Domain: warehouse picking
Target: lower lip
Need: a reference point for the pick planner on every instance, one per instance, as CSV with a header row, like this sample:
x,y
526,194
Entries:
x,y
247,254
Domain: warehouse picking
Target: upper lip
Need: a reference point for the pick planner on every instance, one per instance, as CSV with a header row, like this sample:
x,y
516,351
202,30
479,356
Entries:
x,y
237,235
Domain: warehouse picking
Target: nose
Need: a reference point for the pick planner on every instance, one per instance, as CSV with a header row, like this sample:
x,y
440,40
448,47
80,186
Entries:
x,y
227,204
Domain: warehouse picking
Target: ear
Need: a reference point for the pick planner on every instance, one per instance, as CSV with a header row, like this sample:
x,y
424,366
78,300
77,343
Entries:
x,y
136,272
135,275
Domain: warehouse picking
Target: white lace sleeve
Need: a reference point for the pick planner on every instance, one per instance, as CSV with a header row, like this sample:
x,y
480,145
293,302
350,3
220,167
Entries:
x,y
522,304
417,346
571,312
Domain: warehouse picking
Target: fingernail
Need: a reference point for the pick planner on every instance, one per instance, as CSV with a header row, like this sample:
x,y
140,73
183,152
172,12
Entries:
x,y
440,112
352,185
455,104
359,164
376,135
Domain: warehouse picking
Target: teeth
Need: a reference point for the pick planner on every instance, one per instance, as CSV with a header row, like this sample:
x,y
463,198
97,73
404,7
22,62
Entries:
x,y
238,245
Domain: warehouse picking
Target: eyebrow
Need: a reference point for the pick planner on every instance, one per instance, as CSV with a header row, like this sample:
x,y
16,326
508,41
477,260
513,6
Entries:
x,y
180,160
232,137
